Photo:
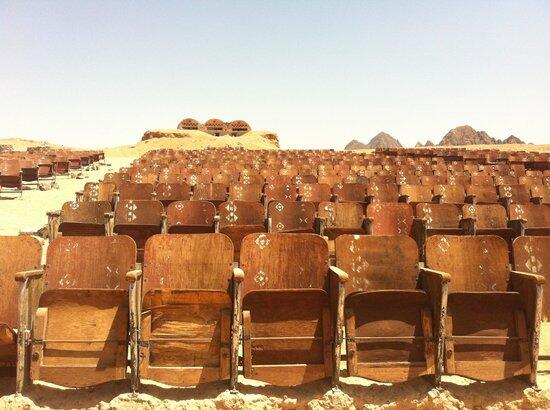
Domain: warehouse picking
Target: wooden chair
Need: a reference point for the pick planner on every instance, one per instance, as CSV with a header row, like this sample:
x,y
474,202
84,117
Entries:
x,y
11,176
188,326
393,311
191,217
17,254
530,219
449,194
304,179
279,192
436,219
288,329
540,194
118,178
79,334
97,191
350,192
513,194
481,194
487,219
415,194
139,220
136,192
389,219
493,314
291,217
211,192
482,180
29,172
241,218
382,193
81,219
532,254
338,218
239,191
172,192
315,193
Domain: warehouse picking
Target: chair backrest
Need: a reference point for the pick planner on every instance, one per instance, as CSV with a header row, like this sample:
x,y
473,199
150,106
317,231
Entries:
x,y
505,180
439,215
118,178
487,216
536,216
482,180
173,191
284,261
350,192
92,212
291,215
89,262
530,180
371,262
239,191
341,214
99,191
282,192
130,212
417,193
190,213
390,218
10,167
483,193
197,261
383,192
136,191
212,190
304,179
475,263
518,194
315,192
540,191
452,194
17,254
234,213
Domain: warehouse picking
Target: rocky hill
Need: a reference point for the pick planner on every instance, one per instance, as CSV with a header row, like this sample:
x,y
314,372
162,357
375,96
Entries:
x,y
381,140
466,135
512,139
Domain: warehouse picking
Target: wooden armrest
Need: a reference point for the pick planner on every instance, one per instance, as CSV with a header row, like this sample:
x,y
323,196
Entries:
x,y
238,274
53,213
443,276
134,275
29,274
342,276
538,279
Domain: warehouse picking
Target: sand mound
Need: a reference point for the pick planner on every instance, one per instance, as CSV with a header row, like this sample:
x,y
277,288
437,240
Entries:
x,y
192,139
21,144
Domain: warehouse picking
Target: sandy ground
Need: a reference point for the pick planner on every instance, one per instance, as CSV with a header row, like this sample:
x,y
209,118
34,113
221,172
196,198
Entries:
x,y
456,392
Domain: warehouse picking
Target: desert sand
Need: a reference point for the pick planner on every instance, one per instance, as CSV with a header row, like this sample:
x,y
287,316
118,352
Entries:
x,y
29,213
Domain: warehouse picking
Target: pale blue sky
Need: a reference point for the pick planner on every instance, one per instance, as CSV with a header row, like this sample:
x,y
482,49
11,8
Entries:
x,y
96,73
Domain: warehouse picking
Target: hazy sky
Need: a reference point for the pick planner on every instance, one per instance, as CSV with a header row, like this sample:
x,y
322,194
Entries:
x,y
94,73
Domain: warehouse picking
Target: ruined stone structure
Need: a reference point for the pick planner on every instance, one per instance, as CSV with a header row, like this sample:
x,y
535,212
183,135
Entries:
x,y
216,126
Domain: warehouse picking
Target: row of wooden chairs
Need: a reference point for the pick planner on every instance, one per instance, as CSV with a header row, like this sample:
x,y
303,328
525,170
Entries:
x,y
185,315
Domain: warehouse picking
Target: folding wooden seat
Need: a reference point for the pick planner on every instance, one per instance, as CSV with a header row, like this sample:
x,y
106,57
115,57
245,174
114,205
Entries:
x,y
191,217
118,178
381,193
449,194
10,176
254,179
136,191
211,192
139,220
530,219
291,217
455,179
331,180
172,192
408,179
97,191
436,219
531,172
505,180
167,177
46,169
240,218
288,330
350,192
304,179
188,323
481,194
517,169
432,180
382,180
283,192
75,162
532,254
487,219
393,311
529,180
276,179
415,194
513,194
29,172
61,165
315,193
338,218
493,315
482,179
389,219
239,191
17,254
540,194
81,219
78,334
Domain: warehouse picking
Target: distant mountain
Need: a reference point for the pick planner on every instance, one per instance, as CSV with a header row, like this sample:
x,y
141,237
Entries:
x,y
466,135
381,140
512,139
418,145
429,144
